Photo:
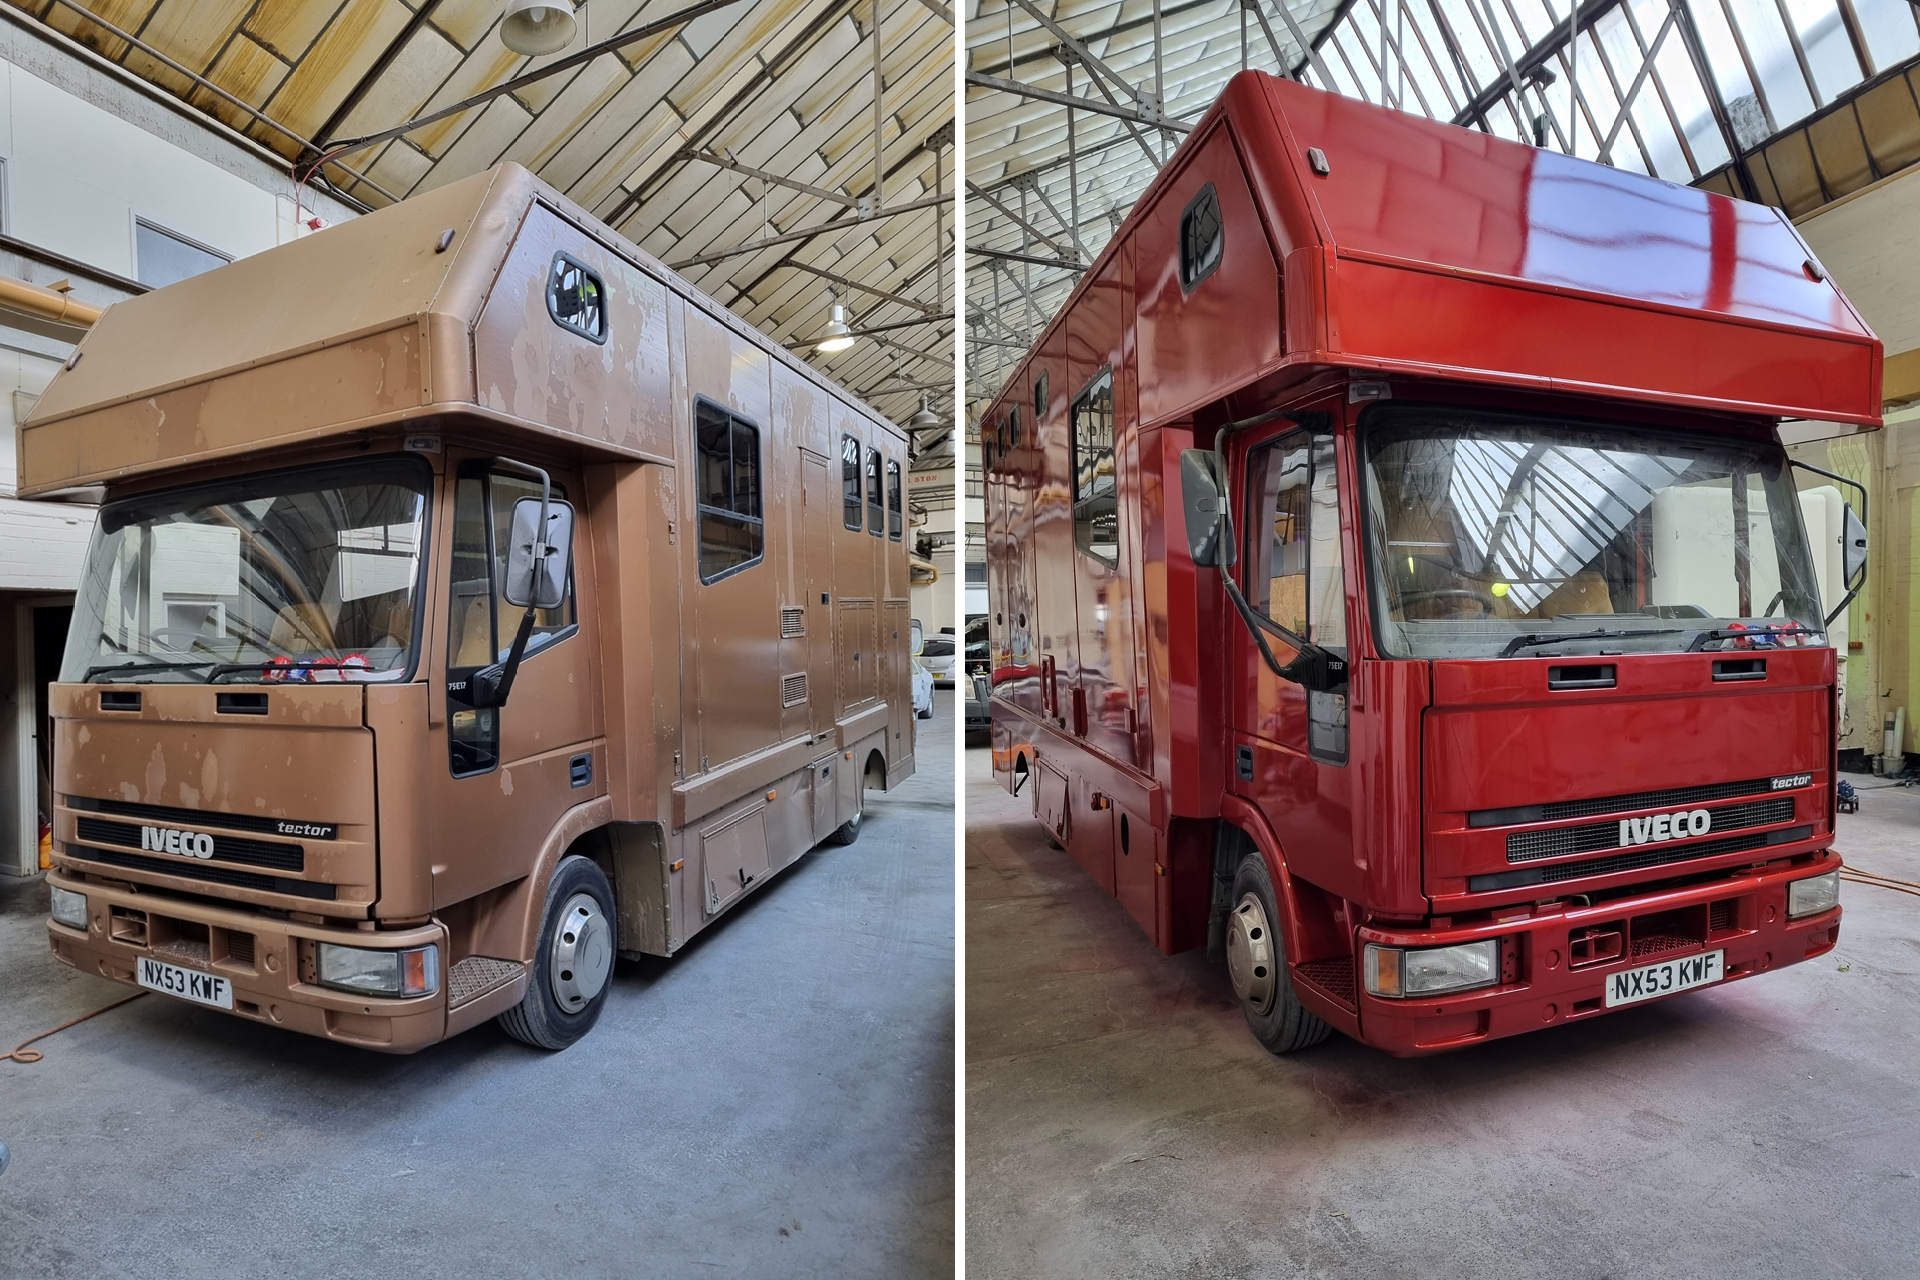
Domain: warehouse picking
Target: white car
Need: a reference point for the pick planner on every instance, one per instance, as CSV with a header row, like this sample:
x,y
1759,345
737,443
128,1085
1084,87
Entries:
x,y
937,656
922,691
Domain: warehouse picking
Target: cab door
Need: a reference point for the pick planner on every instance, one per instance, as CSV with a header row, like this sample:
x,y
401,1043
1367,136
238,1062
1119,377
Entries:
x,y
1290,742
509,772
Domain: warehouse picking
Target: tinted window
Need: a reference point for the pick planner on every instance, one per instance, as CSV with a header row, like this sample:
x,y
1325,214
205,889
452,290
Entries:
x,y
576,298
1040,396
896,516
729,494
876,507
1202,239
850,481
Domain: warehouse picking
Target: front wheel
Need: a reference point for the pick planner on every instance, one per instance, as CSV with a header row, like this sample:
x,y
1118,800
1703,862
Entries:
x,y
573,964
848,831
1257,965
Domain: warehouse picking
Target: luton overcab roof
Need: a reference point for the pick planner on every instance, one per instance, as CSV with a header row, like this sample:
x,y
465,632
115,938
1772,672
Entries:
x,y
1429,249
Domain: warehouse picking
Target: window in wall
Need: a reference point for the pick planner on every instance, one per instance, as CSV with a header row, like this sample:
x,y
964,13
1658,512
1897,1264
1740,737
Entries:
x,y
1013,426
1040,397
1202,238
577,298
896,512
731,530
1096,514
850,481
162,257
876,499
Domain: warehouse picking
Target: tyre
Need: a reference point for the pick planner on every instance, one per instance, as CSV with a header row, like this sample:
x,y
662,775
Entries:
x,y
848,831
573,964
1257,965
925,715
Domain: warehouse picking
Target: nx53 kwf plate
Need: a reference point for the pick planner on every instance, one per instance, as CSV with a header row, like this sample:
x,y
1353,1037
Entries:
x,y
188,984
1630,986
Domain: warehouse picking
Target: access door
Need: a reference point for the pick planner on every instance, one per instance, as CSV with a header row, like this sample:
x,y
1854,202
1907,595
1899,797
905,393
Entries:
x,y
819,507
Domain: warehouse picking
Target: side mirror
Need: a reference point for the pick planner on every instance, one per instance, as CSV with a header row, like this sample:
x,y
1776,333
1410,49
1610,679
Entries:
x,y
537,560
1201,500
1853,550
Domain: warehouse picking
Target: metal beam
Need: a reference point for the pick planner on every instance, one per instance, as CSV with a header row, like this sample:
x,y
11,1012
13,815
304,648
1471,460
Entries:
x,y
824,274
976,189
1518,69
1037,261
1095,67
940,11
1068,100
824,229
1073,231
778,181
1639,78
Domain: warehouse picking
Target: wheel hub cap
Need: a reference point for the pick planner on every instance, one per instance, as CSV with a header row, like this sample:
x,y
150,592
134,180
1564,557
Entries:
x,y
1250,954
582,955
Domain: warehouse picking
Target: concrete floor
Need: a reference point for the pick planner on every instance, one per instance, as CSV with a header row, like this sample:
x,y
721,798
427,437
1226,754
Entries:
x,y
1121,1120
777,1100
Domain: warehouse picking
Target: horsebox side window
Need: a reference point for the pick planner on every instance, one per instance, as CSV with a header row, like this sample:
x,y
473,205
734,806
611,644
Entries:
x,y
731,529
577,297
1096,511
876,499
1040,397
896,515
850,482
1013,426
1202,238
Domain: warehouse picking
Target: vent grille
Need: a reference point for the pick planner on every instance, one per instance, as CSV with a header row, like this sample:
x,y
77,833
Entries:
x,y
201,871
240,948
1528,846
207,818
255,853
1673,797
1647,856
793,690
793,621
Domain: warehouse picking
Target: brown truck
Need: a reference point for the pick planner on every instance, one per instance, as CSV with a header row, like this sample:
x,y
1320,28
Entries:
x,y
472,601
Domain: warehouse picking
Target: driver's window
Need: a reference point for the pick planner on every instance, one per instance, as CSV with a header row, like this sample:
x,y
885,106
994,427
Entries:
x,y
1294,570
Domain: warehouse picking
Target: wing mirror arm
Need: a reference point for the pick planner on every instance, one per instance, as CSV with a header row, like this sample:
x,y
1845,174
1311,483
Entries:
x,y
539,551
1853,539
1210,543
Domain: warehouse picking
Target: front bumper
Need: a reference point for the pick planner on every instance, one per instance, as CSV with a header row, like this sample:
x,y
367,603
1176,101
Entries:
x,y
1555,964
262,956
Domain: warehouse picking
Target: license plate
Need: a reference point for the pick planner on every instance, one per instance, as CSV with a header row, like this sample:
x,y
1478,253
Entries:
x,y
188,984
1630,986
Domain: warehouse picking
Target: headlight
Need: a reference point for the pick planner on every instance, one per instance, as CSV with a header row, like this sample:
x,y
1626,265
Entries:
x,y
380,973
1813,895
1430,971
69,908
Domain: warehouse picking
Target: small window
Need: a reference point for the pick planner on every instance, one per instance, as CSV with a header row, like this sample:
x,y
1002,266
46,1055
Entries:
x,y
876,502
731,531
986,451
1005,436
896,513
576,298
1040,397
163,258
1013,426
1202,238
1096,512
850,481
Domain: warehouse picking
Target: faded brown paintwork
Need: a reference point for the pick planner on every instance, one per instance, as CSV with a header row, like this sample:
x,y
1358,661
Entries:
x,y
706,780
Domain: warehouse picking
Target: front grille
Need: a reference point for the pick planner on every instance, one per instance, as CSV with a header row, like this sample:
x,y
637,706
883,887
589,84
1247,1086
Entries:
x,y
200,871
208,818
1673,797
1529,846
1645,856
255,853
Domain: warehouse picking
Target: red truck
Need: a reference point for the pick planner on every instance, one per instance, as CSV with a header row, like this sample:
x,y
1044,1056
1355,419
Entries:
x,y
1399,586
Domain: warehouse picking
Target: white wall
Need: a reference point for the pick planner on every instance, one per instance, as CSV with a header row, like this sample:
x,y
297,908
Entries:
x,y
1870,245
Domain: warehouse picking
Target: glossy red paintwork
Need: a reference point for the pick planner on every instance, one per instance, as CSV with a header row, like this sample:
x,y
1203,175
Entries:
x,y
1461,268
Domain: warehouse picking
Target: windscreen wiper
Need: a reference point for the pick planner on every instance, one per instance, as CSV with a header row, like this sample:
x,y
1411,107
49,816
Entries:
x,y
1762,636
1531,639
103,668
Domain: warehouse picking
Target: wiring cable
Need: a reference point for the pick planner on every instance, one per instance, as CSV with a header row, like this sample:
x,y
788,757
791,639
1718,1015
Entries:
x,y
23,1054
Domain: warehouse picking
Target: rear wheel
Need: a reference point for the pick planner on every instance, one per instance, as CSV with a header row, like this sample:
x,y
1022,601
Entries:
x,y
573,965
1257,965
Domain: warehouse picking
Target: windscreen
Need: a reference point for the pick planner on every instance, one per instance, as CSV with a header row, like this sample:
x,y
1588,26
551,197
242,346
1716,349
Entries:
x,y
299,576
1497,535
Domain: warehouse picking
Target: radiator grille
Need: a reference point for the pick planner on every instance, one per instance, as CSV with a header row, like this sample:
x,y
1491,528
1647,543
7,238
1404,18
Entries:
x,y
1673,797
793,690
1645,856
200,871
1527,846
255,853
207,818
793,622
